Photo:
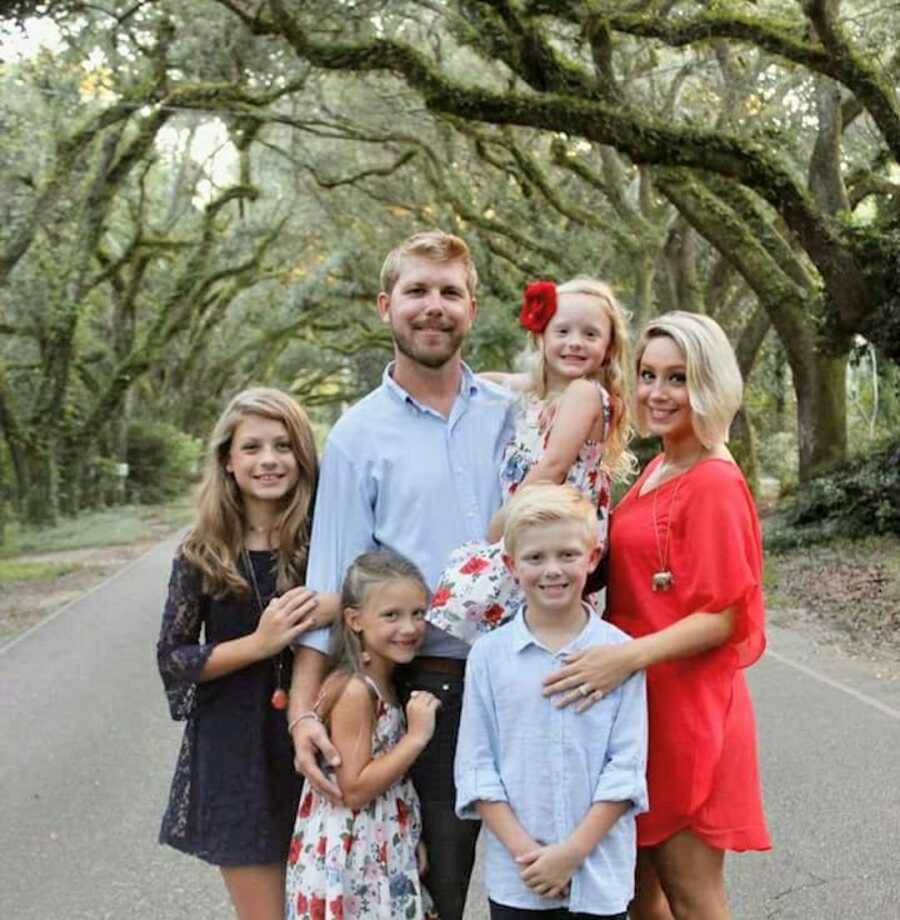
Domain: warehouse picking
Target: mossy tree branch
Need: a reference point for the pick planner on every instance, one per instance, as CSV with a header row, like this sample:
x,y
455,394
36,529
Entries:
x,y
644,141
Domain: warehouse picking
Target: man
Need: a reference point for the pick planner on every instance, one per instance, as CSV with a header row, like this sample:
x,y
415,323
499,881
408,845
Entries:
x,y
413,466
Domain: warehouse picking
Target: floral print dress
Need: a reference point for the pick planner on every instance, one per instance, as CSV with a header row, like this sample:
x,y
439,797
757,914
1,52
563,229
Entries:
x,y
476,593
359,865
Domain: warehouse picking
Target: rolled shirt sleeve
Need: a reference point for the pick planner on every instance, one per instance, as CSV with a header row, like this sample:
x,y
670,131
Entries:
x,y
624,776
476,771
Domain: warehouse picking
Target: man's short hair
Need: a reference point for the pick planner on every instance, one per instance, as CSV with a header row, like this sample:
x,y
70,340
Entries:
x,y
429,244
546,503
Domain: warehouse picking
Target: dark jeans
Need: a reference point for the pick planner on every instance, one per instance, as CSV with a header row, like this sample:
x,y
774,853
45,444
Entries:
x,y
450,841
502,912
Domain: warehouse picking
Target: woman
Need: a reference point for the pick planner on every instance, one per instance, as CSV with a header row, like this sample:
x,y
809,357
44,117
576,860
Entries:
x,y
685,581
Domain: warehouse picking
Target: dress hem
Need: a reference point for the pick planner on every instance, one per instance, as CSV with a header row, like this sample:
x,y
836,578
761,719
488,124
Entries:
x,y
220,861
734,841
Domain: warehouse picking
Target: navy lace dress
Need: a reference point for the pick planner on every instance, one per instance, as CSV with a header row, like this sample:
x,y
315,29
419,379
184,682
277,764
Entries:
x,y
234,794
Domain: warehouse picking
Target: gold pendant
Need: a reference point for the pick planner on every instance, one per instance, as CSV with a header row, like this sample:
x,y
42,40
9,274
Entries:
x,y
662,581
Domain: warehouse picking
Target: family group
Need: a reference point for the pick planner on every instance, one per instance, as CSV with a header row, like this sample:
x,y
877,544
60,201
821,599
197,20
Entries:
x,y
417,626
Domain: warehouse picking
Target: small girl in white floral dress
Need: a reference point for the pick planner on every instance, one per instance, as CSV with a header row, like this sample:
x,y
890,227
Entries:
x,y
363,858
570,425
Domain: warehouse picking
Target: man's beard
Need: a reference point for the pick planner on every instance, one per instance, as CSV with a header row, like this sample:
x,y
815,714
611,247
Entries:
x,y
428,357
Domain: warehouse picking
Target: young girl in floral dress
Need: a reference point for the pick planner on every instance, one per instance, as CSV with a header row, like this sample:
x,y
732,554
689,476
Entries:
x,y
570,425
362,859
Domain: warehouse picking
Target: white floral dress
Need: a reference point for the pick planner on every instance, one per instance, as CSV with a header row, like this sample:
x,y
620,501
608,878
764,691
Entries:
x,y
476,592
359,865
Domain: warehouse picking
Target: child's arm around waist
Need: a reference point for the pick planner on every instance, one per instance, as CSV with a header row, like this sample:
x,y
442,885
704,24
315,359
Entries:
x,y
183,659
285,618
361,776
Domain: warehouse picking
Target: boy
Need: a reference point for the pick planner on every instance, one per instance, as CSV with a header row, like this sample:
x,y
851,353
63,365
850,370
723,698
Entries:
x,y
557,790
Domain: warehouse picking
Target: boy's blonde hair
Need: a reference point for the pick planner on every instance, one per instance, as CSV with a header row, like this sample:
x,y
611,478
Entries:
x,y
216,540
714,383
548,503
429,244
613,375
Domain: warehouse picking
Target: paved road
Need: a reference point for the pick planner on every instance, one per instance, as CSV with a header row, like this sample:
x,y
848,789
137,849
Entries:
x,y
87,750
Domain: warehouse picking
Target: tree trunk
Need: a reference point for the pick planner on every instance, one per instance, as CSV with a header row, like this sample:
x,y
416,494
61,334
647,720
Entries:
x,y
743,447
644,279
41,503
820,383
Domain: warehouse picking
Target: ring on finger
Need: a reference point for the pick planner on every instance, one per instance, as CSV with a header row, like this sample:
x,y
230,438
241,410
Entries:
x,y
584,689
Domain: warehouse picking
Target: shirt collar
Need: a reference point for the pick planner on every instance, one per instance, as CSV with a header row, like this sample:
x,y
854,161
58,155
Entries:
x,y
468,385
522,636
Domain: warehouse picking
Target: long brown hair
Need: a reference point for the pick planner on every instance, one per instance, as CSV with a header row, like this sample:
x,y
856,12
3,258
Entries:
x,y
216,540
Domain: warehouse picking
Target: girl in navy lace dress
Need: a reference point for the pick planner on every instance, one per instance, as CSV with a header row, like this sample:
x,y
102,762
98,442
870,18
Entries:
x,y
234,606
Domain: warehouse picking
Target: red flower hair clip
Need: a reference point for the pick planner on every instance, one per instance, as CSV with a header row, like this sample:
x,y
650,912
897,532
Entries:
x,y
538,306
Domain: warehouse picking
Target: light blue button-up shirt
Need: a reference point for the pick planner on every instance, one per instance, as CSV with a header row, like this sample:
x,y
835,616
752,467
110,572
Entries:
x,y
551,765
398,474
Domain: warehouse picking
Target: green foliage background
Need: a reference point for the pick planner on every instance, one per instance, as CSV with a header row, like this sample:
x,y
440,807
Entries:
x,y
198,197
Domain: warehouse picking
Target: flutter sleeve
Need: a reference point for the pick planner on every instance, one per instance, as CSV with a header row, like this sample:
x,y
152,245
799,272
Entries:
x,y
180,655
721,555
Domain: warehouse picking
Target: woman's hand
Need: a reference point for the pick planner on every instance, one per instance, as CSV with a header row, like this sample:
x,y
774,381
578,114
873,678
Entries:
x,y
589,675
285,618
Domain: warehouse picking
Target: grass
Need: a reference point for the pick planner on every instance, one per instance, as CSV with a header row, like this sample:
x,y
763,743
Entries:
x,y
123,524
13,570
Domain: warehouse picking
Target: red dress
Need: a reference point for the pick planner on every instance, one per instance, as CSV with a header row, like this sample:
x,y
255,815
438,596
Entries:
x,y
702,768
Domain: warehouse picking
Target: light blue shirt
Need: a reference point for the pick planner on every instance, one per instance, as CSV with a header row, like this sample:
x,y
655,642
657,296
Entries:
x,y
398,474
551,765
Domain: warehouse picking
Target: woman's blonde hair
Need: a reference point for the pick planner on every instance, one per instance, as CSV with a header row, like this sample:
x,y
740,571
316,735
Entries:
x,y
216,541
613,374
714,383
